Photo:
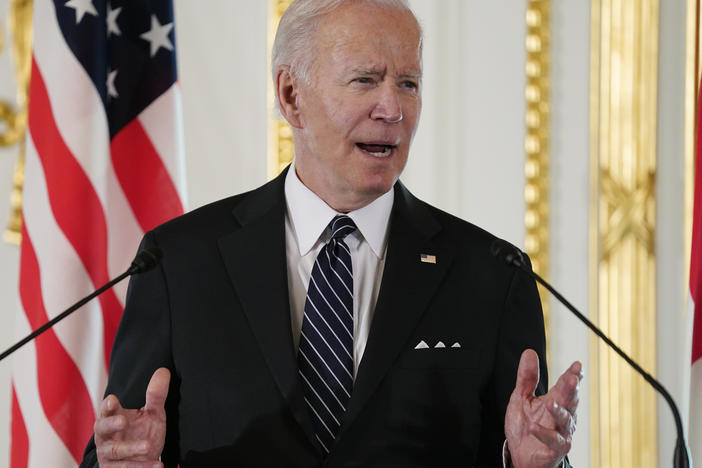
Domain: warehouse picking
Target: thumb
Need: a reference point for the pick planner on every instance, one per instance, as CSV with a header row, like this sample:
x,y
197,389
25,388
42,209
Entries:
x,y
157,391
527,374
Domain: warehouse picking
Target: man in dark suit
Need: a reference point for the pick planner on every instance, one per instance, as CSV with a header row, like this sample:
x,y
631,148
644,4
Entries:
x,y
252,365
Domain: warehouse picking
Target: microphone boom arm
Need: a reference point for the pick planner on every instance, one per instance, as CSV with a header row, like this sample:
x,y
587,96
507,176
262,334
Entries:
x,y
144,261
513,256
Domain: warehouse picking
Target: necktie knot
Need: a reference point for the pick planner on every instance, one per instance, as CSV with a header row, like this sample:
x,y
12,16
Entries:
x,y
341,226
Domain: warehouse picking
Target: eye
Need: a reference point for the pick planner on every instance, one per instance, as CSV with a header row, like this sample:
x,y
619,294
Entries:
x,y
364,80
409,84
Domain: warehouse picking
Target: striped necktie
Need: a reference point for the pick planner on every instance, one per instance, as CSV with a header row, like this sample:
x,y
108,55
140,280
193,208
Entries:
x,y
325,357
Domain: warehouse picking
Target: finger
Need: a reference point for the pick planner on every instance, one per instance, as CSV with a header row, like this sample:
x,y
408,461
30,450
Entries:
x,y
527,374
567,388
552,439
577,369
157,391
109,406
120,450
565,421
109,426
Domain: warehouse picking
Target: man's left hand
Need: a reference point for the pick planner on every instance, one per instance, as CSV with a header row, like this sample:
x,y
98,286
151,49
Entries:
x,y
539,430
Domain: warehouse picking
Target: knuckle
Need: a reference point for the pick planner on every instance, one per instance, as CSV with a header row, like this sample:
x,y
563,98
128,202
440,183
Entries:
x,y
114,452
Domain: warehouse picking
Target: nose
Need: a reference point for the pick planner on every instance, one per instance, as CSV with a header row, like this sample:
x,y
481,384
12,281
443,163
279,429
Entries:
x,y
388,107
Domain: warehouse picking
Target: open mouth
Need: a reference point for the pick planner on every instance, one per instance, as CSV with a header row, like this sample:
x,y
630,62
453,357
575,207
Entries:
x,y
377,150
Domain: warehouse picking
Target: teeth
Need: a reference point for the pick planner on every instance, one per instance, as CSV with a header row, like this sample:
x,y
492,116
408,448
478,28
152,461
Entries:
x,y
383,154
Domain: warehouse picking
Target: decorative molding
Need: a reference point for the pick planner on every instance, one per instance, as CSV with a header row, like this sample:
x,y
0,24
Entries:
x,y
15,121
280,147
536,145
623,97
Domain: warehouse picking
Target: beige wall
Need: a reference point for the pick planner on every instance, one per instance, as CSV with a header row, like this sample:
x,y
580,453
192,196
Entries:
x,y
467,157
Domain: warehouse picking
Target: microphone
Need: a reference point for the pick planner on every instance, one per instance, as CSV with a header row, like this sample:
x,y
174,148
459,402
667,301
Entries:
x,y
512,256
144,261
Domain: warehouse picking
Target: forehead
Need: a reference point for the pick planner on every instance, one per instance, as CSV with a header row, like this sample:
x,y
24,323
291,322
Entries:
x,y
369,36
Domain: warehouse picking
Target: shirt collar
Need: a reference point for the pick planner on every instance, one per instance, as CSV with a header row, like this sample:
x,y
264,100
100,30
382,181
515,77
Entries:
x,y
310,215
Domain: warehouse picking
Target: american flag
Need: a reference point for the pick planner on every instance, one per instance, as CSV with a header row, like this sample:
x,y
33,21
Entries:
x,y
104,163
695,428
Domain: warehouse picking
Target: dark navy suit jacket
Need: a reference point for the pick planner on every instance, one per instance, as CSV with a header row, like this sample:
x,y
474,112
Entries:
x,y
216,313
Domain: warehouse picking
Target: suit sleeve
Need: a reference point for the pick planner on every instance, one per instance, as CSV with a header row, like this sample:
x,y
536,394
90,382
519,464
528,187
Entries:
x,y
521,326
142,345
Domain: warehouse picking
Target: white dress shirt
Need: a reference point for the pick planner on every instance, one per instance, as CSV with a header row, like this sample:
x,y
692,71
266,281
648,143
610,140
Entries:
x,y
306,221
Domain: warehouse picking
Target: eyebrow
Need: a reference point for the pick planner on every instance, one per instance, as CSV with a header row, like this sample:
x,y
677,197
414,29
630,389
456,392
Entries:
x,y
374,71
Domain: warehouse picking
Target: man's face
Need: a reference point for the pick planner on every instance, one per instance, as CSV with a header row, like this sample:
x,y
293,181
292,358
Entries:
x,y
358,114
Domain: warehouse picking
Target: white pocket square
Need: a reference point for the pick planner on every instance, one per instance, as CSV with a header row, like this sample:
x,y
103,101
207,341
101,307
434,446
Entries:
x,y
421,345
439,345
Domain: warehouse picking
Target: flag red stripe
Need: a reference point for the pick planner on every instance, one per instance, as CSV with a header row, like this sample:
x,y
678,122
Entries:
x,y
696,248
19,450
695,260
697,337
74,202
64,396
144,179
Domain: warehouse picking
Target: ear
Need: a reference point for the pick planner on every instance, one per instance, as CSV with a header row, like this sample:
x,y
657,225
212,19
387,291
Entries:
x,y
287,88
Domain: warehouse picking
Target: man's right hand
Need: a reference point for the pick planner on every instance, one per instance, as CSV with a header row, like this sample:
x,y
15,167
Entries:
x,y
133,438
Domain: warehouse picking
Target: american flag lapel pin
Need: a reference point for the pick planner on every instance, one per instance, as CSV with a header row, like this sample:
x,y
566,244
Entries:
x,y
426,258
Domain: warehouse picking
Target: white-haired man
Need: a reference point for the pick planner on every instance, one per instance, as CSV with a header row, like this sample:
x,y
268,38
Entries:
x,y
329,318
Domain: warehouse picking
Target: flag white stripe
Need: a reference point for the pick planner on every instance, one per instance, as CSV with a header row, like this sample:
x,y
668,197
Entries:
x,y
160,121
46,449
63,281
695,432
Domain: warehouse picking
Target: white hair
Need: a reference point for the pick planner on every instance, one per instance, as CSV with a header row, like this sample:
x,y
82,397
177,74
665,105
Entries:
x,y
293,45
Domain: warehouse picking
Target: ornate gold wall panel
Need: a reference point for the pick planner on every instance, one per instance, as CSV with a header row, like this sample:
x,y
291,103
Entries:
x,y
624,69
280,146
536,169
13,118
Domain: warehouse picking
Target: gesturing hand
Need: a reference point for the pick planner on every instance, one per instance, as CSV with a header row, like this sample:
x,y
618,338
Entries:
x,y
539,430
133,436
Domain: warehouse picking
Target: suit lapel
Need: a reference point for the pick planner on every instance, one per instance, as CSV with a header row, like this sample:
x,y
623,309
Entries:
x,y
255,259
406,289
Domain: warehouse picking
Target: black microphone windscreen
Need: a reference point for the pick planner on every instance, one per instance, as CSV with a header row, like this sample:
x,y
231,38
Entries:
x,y
507,252
146,260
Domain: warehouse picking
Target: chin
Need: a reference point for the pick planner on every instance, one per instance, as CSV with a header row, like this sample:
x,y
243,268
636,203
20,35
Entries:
x,y
378,188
